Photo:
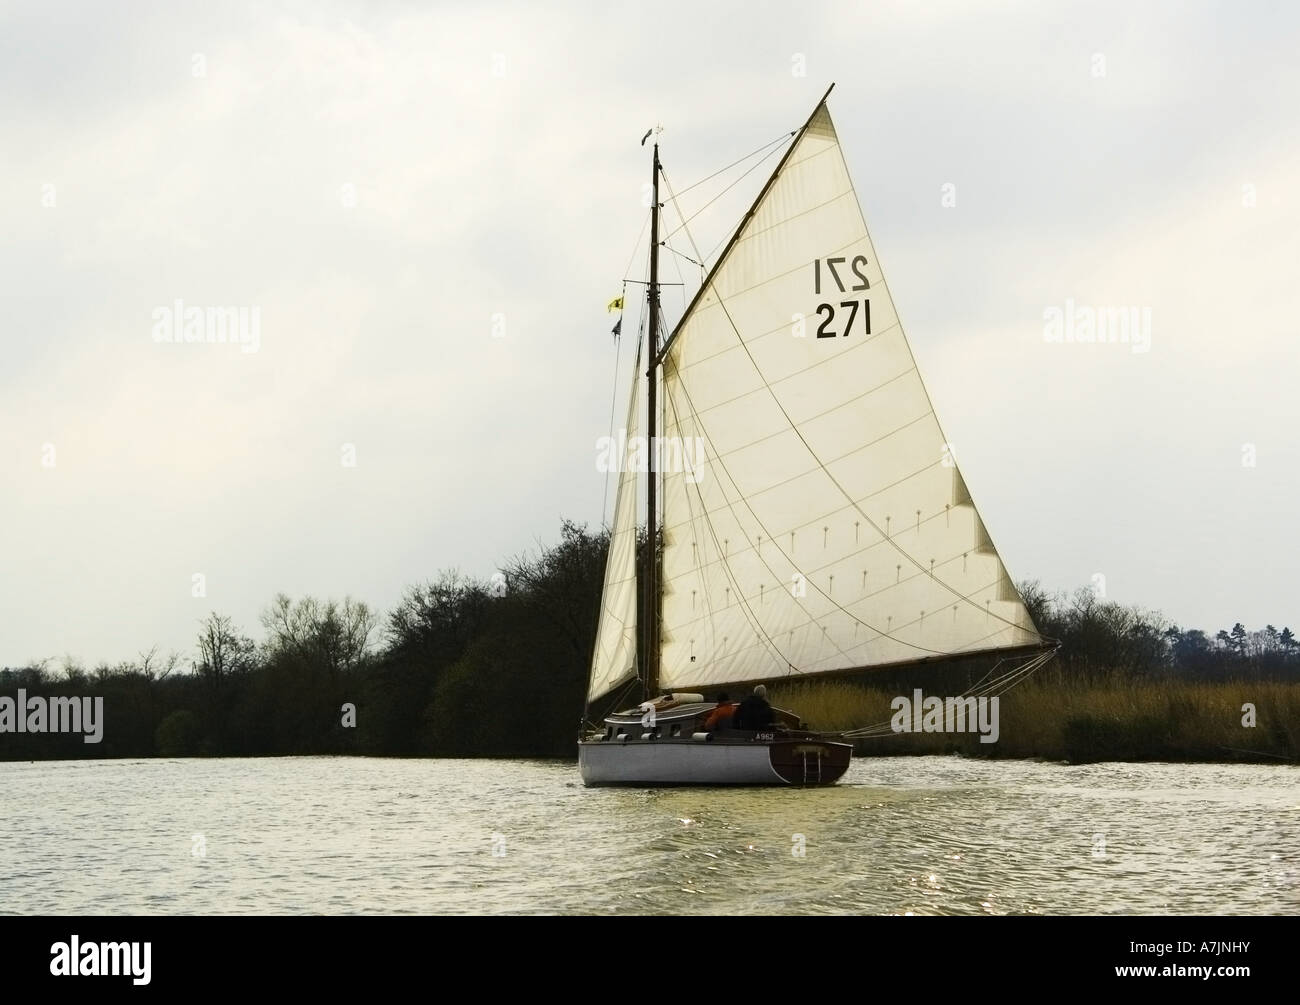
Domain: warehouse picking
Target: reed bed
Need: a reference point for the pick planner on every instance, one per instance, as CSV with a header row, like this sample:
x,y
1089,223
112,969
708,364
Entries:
x,y
1101,718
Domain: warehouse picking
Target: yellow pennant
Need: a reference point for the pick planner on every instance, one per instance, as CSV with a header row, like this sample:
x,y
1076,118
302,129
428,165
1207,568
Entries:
x,y
616,304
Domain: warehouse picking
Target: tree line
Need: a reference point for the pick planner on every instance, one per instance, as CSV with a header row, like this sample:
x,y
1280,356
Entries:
x,y
1099,636
497,667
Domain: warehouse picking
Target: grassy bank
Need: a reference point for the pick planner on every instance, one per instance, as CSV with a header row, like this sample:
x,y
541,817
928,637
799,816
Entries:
x,y
1103,718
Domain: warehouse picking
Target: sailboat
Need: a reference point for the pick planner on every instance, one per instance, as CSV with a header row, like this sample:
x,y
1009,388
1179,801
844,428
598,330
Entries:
x,y
804,513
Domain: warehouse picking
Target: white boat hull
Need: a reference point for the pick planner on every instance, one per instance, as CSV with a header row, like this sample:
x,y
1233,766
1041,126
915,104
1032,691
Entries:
x,y
667,762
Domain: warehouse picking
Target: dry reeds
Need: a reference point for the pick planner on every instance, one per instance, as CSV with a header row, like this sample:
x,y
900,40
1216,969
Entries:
x,y
1101,718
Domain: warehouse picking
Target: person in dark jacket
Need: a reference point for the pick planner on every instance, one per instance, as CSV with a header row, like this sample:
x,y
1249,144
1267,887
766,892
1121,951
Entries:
x,y
754,712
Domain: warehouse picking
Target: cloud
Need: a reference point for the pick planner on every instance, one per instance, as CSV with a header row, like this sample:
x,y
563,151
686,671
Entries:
x,y
382,182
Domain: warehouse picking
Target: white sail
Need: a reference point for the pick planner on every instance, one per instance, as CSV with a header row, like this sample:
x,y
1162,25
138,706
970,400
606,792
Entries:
x,y
819,523
614,659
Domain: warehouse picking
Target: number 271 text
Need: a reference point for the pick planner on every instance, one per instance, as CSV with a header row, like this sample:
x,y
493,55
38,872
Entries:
x,y
827,311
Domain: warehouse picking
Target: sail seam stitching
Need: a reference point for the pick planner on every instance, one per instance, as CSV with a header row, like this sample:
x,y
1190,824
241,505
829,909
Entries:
x,y
686,391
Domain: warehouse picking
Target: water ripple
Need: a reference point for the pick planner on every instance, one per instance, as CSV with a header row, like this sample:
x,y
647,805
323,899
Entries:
x,y
925,835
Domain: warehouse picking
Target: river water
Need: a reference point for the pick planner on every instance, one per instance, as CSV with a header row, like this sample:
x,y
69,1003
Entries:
x,y
925,835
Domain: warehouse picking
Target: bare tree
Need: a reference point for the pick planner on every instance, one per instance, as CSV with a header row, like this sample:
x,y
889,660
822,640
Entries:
x,y
74,671
154,667
338,633
222,650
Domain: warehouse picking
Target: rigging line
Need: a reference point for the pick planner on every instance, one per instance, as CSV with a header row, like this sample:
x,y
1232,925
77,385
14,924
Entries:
x,y
1038,661
626,688
717,247
672,196
835,481
1012,678
714,250
991,671
756,233
803,212
636,244
613,399
617,701
812,620
679,268
676,264
754,153
640,335
1001,684
1004,683
587,708
748,171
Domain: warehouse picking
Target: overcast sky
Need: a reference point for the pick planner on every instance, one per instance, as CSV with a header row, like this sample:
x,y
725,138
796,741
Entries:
x,y
380,179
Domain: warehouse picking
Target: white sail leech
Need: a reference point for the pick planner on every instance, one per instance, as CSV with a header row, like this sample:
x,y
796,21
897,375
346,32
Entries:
x,y
614,658
825,528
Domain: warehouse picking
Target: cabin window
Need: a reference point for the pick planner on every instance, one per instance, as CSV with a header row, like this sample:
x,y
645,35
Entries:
x,y
677,731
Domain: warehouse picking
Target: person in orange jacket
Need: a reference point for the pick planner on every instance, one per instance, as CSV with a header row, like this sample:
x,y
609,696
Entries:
x,y
720,716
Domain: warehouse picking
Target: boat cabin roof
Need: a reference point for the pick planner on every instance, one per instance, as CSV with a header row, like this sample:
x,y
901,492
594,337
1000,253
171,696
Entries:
x,y
673,713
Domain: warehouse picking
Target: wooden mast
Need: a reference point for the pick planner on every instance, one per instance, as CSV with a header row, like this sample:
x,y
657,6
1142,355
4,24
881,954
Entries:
x,y
651,571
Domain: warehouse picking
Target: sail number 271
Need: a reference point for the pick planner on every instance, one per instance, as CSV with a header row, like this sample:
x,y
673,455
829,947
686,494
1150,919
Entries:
x,y
855,308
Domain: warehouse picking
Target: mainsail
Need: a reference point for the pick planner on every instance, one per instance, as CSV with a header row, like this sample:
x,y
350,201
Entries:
x,y
821,524
614,659
814,520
